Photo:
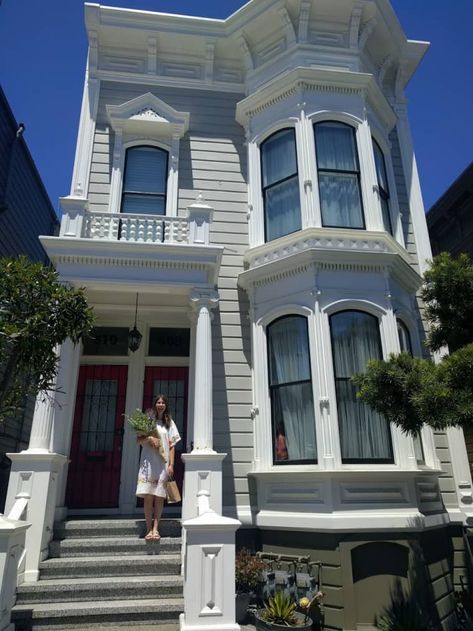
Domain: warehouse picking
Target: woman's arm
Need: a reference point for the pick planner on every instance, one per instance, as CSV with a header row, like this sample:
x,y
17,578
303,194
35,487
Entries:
x,y
172,454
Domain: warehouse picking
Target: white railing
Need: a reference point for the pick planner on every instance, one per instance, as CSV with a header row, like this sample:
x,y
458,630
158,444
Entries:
x,y
79,222
137,228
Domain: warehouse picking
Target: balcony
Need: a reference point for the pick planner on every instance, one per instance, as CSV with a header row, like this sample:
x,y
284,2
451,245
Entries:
x,y
114,248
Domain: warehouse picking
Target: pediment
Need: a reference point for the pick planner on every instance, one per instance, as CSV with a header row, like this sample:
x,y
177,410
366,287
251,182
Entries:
x,y
148,114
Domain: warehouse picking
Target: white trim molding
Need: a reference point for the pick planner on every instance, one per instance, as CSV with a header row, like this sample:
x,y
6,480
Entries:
x,y
146,120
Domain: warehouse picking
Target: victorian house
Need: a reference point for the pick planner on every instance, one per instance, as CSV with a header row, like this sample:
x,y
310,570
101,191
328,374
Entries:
x,y
245,198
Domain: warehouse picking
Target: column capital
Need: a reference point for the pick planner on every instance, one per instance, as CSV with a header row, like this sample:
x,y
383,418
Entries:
x,y
204,298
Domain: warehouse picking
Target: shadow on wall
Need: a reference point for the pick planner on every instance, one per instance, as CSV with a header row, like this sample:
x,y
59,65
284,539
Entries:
x,y
426,603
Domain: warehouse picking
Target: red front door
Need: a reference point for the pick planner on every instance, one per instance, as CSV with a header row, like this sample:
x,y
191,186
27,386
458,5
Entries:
x,y
173,383
94,470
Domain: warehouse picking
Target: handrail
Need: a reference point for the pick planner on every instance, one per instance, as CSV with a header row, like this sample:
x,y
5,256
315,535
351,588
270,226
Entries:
x,y
18,510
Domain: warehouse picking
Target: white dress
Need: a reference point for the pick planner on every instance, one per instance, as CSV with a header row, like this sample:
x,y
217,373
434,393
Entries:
x,y
152,474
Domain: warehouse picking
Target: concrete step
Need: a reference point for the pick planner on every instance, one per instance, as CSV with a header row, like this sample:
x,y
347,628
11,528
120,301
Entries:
x,y
132,527
95,566
112,546
92,614
107,588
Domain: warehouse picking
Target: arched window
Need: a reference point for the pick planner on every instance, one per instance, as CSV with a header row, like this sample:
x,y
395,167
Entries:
x,y
406,347
282,206
339,175
145,181
365,436
290,386
383,186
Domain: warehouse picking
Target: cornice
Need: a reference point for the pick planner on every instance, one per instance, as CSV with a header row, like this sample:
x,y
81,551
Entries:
x,y
319,80
328,249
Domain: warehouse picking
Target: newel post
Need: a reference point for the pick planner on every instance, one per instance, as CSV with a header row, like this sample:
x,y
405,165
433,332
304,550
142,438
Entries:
x,y
73,213
200,217
209,572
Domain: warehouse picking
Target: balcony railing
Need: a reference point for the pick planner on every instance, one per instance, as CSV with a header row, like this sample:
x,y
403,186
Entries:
x,y
79,222
137,228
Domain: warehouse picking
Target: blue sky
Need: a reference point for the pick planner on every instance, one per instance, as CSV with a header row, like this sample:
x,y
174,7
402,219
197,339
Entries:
x,y
43,52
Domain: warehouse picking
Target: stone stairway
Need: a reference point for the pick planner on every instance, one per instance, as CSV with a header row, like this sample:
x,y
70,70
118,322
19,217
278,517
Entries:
x,y
102,572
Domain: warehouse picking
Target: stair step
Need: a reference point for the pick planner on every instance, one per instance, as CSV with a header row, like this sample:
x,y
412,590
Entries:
x,y
109,588
82,547
76,528
94,566
94,613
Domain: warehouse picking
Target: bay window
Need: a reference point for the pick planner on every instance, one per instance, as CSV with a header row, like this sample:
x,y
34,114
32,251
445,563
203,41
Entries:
x,y
365,436
281,197
383,187
145,181
339,175
290,385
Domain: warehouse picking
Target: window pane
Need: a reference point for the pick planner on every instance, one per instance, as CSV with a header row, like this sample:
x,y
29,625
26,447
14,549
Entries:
x,y
143,204
146,170
336,147
282,209
98,416
278,155
380,167
418,449
292,406
404,337
364,434
293,423
340,200
288,351
385,214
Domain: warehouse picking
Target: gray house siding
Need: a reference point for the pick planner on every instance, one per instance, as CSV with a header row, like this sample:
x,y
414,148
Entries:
x,y
212,160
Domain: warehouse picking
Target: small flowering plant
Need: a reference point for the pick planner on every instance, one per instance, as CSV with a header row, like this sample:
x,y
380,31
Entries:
x,y
306,604
248,571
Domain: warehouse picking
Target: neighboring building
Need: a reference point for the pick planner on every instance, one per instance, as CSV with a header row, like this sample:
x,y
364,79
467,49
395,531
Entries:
x,y
260,168
25,213
450,220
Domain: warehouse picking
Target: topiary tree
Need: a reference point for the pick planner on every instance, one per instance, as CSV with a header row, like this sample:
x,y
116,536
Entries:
x,y
37,312
411,391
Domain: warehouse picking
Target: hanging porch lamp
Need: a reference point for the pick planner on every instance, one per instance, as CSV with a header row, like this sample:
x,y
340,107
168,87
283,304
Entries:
x,y
134,336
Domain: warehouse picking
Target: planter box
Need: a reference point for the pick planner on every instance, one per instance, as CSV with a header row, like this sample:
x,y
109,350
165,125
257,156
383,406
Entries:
x,y
262,625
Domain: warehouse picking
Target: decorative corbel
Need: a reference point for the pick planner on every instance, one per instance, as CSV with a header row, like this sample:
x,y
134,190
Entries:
x,y
355,21
366,31
304,14
400,83
387,63
247,56
291,39
209,60
152,55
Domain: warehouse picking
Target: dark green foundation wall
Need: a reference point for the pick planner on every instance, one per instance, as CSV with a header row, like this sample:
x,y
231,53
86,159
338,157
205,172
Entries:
x,y
363,572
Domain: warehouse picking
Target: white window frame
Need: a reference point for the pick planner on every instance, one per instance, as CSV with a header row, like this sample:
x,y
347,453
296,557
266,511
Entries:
x,y
146,120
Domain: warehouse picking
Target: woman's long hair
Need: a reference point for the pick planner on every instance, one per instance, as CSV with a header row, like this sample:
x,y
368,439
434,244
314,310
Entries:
x,y
167,414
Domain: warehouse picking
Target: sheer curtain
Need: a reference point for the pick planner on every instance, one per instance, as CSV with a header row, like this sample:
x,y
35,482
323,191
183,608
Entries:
x,y
364,434
338,173
382,178
291,389
282,208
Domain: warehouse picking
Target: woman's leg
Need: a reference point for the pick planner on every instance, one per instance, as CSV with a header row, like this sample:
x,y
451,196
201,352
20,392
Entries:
x,y
158,509
148,501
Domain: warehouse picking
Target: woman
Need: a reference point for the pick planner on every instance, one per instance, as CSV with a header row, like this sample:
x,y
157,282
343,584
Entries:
x,y
154,471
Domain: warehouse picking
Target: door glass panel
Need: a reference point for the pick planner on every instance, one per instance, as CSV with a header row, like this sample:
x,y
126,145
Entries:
x,y
174,390
98,416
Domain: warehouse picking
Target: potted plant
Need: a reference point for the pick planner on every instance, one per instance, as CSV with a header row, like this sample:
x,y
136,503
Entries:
x,y
280,613
248,569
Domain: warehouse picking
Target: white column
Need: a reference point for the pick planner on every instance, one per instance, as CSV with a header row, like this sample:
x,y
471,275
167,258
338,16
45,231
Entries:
x,y
203,466
40,436
203,407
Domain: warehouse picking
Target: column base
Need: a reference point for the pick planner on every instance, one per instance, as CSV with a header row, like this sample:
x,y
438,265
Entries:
x,y
206,626
34,475
203,472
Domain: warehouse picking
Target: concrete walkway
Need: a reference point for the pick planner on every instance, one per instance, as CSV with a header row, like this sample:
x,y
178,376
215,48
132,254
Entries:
x,y
147,627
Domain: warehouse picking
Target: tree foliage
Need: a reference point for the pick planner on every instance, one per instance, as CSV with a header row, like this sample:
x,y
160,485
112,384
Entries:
x,y
411,391
37,312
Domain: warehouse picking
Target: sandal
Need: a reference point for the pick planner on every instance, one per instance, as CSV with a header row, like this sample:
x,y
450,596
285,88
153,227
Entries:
x,y
149,536
156,536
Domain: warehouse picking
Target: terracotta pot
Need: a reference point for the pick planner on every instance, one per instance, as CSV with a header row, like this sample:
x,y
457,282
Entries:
x,y
262,625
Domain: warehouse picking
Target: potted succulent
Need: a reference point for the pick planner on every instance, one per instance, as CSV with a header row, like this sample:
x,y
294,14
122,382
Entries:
x,y
280,613
248,569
